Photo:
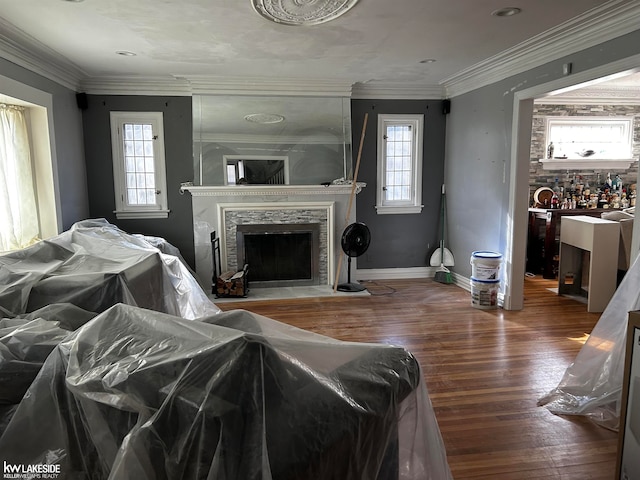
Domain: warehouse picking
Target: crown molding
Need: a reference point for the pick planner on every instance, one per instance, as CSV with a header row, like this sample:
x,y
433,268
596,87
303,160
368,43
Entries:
x,y
395,90
269,86
596,95
201,85
27,52
594,27
134,85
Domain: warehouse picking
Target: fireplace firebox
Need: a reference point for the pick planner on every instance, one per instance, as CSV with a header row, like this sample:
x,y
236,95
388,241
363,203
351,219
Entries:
x,y
280,255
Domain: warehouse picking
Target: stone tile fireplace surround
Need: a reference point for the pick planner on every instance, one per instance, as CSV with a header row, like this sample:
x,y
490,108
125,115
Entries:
x,y
221,209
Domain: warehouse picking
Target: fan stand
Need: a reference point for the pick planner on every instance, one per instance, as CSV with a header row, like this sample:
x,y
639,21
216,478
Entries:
x,y
350,287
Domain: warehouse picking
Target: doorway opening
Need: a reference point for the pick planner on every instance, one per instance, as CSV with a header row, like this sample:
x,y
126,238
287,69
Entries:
x,y
520,160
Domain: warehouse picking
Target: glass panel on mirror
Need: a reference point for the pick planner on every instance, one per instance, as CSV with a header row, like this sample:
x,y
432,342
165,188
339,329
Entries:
x,y
266,140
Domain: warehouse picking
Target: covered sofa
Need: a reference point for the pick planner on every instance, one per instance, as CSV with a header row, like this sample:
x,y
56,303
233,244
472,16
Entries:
x,y
95,265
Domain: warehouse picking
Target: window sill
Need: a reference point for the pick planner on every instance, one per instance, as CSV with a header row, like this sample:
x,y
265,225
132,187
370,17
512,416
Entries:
x,y
133,214
386,210
585,163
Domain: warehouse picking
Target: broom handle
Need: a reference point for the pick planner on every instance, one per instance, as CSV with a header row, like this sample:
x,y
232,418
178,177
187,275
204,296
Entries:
x,y
353,194
355,172
442,229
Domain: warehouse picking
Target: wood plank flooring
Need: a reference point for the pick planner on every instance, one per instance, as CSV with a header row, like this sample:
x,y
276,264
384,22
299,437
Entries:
x,y
484,369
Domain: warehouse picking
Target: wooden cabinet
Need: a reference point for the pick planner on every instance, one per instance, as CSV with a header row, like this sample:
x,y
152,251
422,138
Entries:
x,y
544,237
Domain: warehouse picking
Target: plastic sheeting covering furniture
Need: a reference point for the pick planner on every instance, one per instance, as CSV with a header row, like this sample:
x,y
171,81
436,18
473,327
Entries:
x,y
138,394
25,343
592,384
95,265
100,388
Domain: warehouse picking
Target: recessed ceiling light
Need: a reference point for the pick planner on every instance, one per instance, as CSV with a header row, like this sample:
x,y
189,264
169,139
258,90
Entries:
x,y
264,118
125,53
428,60
506,12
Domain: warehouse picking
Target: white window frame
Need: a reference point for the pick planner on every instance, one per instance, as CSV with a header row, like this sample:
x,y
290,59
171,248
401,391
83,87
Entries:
x,y
573,160
414,204
124,210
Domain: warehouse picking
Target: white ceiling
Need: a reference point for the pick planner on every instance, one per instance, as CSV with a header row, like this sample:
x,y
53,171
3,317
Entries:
x,y
377,42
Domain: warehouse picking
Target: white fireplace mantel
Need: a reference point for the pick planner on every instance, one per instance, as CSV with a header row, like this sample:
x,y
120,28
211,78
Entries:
x,y
209,204
246,190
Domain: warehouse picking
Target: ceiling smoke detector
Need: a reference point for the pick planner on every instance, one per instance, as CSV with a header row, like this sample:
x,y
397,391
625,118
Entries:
x,y
302,12
264,118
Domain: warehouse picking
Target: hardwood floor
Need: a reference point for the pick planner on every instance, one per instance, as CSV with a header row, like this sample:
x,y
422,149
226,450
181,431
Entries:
x,y
484,369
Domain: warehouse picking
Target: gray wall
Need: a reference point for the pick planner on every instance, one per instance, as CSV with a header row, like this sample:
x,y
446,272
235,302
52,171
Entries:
x,y
406,240
177,229
479,144
72,182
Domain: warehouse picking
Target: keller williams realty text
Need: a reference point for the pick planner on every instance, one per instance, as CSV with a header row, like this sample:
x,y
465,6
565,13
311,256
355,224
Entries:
x,y
30,471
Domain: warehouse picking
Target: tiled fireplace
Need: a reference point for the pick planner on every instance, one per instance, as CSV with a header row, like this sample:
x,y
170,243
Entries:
x,y
235,215
223,209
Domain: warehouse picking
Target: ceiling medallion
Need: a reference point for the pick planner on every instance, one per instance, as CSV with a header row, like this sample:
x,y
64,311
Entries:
x,y
302,12
264,118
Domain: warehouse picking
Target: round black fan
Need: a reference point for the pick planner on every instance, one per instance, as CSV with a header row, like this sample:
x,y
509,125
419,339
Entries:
x,y
355,241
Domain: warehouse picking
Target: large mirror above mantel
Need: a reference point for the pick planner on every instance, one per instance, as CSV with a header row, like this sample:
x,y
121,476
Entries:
x,y
270,140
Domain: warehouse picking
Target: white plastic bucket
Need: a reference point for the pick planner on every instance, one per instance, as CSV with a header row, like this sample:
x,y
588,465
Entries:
x,y
486,265
484,293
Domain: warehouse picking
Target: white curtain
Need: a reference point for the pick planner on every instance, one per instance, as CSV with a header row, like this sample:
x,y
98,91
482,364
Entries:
x,y
18,210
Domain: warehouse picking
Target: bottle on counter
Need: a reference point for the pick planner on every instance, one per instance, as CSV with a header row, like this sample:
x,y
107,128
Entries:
x,y
586,191
624,201
579,186
550,149
615,201
582,203
572,187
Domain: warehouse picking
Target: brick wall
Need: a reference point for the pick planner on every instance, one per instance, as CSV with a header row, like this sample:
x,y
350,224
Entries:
x,y
538,177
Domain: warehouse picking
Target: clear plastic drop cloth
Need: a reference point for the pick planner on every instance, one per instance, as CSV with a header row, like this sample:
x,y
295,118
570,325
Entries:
x,y
95,265
592,384
25,343
139,394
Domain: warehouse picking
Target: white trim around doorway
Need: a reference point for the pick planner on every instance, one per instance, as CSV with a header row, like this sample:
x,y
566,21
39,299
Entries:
x,y
520,151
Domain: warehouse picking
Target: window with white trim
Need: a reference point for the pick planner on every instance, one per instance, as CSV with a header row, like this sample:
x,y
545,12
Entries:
x,y
589,142
137,140
399,188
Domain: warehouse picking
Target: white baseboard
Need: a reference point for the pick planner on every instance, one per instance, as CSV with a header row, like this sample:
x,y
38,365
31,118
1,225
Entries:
x,y
395,273
461,281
